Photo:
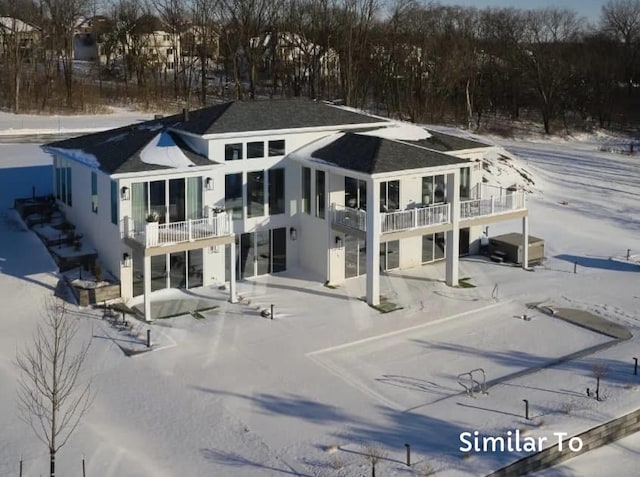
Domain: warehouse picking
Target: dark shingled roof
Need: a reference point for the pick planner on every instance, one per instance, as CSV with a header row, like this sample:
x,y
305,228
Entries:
x,y
240,116
372,154
446,142
117,150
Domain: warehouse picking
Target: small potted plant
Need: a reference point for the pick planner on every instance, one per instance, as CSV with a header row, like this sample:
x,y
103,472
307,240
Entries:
x,y
151,230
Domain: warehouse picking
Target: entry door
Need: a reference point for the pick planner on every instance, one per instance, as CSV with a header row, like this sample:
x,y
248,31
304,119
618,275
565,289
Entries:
x,y
390,255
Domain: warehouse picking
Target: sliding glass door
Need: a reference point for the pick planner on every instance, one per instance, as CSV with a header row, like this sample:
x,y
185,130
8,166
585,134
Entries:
x,y
173,200
261,252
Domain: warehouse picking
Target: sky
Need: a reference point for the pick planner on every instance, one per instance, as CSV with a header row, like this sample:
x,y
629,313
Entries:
x,y
589,9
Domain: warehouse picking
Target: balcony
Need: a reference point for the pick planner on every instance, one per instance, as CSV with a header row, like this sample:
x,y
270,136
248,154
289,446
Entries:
x,y
505,205
506,202
153,234
392,221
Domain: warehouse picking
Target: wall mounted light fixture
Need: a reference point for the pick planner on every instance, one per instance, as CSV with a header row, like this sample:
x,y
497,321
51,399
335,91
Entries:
x,y
126,260
208,183
338,241
293,234
124,193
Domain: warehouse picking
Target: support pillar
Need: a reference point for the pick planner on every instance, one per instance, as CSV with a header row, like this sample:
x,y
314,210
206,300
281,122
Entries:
x,y
453,236
233,296
525,242
374,228
147,288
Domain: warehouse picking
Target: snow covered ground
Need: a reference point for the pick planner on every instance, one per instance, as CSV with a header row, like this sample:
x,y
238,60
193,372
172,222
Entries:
x,y
304,394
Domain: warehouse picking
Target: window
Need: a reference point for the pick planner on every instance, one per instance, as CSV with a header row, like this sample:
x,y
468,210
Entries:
x,y
232,152
56,165
276,191
276,148
433,190
169,66
465,183
94,192
169,52
233,195
355,193
389,196
320,194
68,177
114,202
255,194
306,190
255,150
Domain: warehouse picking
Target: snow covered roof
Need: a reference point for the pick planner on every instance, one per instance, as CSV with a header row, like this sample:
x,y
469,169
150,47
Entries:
x,y
136,148
14,24
372,154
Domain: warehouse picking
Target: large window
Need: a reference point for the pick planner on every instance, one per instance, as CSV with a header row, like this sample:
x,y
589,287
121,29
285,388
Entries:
x,y
232,152
255,194
114,202
276,148
306,190
433,190
355,193
63,180
389,196
320,194
233,194
255,150
94,192
276,191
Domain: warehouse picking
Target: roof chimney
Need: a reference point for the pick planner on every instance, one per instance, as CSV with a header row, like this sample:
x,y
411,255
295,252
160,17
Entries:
x,y
185,114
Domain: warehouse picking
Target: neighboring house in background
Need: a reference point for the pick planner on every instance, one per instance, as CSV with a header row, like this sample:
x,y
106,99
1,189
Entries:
x,y
292,54
243,189
88,37
148,42
14,30
197,42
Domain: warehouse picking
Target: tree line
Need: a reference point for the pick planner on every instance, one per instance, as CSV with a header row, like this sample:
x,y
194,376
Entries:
x,y
418,61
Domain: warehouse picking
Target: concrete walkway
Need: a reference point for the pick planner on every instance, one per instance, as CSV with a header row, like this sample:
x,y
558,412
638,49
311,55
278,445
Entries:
x,y
589,321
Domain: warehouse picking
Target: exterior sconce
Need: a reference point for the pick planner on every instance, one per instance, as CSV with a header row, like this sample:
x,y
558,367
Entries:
x,y
208,183
338,241
293,234
126,260
124,193
206,212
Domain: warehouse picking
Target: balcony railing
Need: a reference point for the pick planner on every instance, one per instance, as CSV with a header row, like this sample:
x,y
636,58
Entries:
x,y
415,218
507,202
153,234
349,217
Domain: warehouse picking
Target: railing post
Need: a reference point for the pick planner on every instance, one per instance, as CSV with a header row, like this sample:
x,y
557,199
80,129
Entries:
x,y
492,204
189,230
415,218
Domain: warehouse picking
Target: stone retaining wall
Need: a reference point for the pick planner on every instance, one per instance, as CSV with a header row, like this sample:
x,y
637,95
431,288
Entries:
x,y
591,439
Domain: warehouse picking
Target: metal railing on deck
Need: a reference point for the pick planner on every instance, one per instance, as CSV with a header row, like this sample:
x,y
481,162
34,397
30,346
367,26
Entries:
x,y
507,202
415,218
154,234
349,217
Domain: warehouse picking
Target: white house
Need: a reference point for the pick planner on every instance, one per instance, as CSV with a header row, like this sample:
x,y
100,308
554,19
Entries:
x,y
242,189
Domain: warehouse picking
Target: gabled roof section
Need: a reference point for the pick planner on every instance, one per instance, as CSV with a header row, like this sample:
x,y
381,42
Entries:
x,y
446,142
244,116
372,155
118,150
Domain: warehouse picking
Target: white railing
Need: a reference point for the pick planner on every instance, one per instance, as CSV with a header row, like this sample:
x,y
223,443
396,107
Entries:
x,y
349,217
507,202
415,218
154,234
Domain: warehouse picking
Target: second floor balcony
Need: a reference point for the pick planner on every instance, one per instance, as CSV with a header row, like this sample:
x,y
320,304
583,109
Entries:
x,y
503,203
154,234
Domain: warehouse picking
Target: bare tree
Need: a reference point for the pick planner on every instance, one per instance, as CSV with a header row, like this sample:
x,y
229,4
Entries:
x,y
51,395
374,454
621,19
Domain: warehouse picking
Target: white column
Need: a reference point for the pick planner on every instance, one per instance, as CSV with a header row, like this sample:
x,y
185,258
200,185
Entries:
x,y
373,242
525,242
147,288
453,236
233,297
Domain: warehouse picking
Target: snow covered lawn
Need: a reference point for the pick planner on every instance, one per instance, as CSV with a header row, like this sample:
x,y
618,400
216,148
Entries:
x,y
240,395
